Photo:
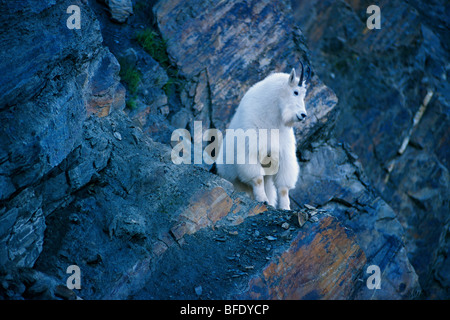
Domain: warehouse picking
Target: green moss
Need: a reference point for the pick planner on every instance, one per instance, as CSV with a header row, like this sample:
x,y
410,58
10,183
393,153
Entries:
x,y
154,45
130,75
171,86
131,103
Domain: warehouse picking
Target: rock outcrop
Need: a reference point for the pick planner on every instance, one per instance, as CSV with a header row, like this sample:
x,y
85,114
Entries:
x,y
224,58
119,10
84,182
52,82
394,101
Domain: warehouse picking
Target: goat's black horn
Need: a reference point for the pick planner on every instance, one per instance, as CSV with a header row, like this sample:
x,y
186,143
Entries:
x,y
308,74
301,75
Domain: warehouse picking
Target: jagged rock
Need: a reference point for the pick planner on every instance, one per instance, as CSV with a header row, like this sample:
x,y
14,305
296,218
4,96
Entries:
x,y
161,221
49,55
228,48
119,9
51,87
333,181
151,101
322,112
137,224
308,261
107,94
147,102
26,283
381,78
205,39
23,240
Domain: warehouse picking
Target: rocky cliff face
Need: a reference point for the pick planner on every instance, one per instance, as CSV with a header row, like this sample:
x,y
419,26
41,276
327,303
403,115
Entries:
x,y
394,96
85,181
53,79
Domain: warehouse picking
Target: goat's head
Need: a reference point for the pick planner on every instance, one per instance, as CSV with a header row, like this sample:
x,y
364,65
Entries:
x,y
292,97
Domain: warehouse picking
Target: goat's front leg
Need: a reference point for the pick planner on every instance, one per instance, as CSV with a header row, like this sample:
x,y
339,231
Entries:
x,y
271,191
258,189
283,198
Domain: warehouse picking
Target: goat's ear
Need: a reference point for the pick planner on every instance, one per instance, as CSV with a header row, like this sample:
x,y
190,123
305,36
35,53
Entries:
x,y
292,78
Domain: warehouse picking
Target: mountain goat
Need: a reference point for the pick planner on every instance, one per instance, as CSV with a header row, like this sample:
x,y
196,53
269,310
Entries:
x,y
271,105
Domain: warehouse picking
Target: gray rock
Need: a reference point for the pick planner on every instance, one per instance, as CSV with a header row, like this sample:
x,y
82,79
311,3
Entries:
x,y
46,100
106,93
331,181
228,48
198,290
25,237
40,63
119,9
123,212
379,96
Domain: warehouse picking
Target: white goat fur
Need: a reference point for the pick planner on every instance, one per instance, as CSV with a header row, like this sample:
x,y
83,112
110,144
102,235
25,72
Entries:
x,y
276,102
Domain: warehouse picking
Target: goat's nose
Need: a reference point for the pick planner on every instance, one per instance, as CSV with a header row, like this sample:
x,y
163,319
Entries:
x,y
303,115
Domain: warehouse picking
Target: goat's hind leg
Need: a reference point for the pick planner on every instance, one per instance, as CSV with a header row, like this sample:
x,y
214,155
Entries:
x,y
253,175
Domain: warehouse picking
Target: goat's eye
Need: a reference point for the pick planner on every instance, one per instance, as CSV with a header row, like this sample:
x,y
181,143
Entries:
x,y
296,93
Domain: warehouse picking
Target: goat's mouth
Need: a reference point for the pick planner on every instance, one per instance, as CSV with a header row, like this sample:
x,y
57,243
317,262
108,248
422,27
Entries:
x,y
302,116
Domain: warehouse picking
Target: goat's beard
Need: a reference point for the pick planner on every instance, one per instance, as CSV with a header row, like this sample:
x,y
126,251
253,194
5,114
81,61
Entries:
x,y
288,118
289,123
